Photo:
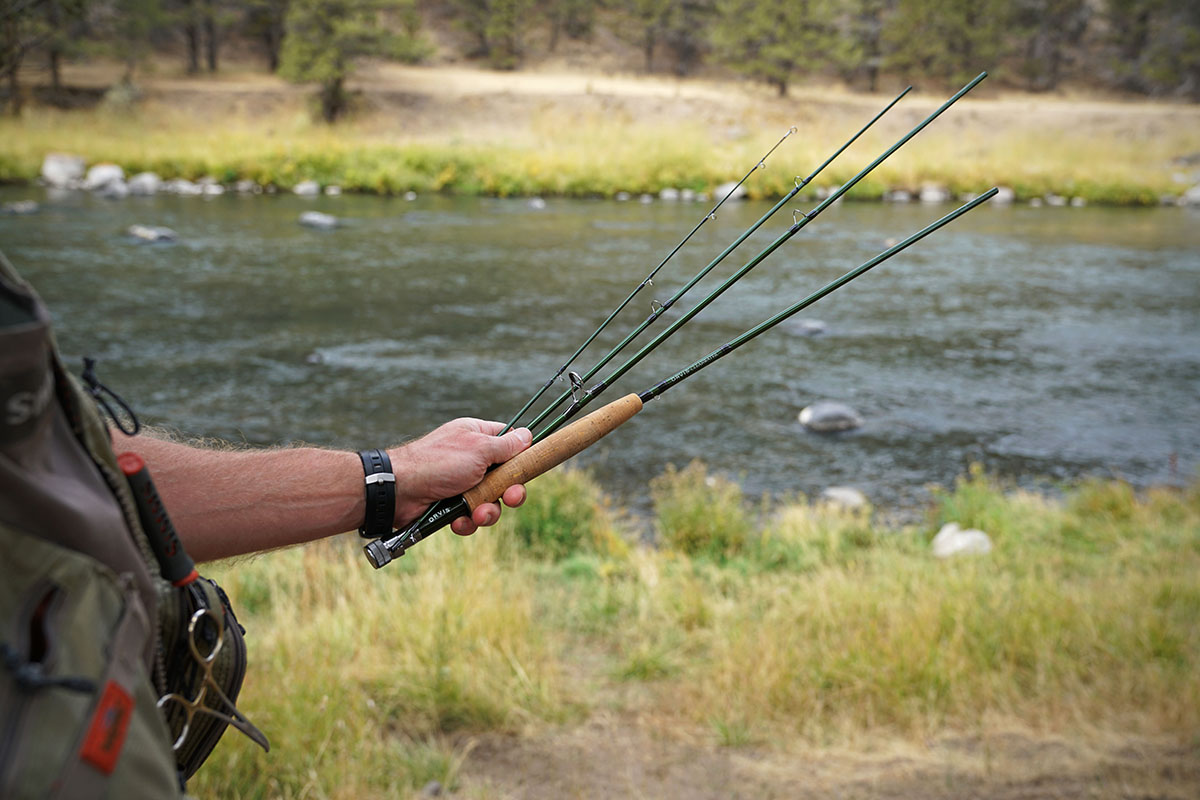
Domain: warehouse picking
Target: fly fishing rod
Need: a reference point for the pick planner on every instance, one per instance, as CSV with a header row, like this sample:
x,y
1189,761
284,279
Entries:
x,y
444,511
581,434
647,281
799,222
660,308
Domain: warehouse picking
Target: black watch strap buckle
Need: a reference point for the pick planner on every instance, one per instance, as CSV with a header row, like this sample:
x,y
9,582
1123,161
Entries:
x,y
380,484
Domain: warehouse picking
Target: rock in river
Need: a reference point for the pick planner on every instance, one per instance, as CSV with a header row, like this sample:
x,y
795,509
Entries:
x,y
152,233
315,219
829,417
20,207
145,183
102,176
62,170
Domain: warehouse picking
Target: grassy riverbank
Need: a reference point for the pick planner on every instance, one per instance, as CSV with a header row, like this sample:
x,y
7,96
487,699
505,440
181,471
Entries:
x,y
459,132
763,632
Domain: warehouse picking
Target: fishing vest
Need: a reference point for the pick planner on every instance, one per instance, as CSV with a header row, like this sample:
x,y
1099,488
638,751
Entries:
x,y
91,635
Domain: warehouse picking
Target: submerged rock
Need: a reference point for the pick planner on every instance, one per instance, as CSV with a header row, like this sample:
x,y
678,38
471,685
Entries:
x,y
952,540
316,219
62,170
114,190
20,207
152,233
830,417
806,327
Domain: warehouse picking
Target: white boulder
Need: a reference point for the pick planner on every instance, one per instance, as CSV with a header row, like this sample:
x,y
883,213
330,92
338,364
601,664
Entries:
x,y
315,219
101,175
62,170
114,190
830,417
952,540
669,194
932,193
846,497
1004,195
152,233
145,183
739,192
307,188
183,186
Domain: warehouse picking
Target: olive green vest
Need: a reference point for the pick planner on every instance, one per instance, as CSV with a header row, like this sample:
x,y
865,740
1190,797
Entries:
x,y
79,588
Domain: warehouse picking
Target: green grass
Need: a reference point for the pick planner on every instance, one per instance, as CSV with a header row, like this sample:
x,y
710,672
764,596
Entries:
x,y
819,627
1033,154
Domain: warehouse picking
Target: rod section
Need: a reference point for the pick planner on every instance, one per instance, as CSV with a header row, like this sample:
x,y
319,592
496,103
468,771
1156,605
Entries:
x,y
645,282
662,308
829,288
581,402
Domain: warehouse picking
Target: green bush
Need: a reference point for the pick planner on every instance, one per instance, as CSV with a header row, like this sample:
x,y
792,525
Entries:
x,y
564,515
700,514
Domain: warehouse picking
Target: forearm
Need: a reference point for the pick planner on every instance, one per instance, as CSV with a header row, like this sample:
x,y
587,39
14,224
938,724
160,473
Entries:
x,y
231,502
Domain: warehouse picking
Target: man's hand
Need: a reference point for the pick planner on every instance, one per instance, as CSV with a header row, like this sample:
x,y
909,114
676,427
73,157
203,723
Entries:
x,y
450,460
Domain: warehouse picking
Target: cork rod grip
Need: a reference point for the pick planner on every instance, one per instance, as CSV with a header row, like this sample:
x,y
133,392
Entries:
x,y
554,449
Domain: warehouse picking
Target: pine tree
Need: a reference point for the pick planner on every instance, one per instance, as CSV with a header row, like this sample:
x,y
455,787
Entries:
x,y
776,40
1047,30
949,41
325,37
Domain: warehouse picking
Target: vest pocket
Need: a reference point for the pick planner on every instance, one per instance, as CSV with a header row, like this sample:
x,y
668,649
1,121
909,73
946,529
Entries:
x,y
77,713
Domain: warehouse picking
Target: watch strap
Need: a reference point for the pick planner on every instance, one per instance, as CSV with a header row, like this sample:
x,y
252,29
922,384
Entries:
x,y
380,483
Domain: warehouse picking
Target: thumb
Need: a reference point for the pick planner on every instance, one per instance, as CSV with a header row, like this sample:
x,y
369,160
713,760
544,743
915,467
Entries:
x,y
505,447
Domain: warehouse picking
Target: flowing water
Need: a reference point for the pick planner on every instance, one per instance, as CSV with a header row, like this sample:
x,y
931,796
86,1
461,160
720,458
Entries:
x,y
1045,343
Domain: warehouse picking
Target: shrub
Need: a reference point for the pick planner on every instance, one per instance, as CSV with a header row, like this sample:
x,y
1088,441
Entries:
x,y
700,514
565,514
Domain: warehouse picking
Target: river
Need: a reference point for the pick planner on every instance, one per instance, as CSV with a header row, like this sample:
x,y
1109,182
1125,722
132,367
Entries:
x,y
1047,344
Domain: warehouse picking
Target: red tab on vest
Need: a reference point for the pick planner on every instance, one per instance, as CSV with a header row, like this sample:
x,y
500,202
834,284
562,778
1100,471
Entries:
x,y
106,734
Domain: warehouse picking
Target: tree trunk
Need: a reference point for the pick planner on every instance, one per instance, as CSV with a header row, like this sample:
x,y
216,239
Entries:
x,y
648,49
333,99
55,59
271,42
54,49
191,35
12,50
210,35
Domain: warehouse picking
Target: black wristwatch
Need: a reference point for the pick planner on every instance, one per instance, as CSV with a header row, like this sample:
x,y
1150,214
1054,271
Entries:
x,y
381,494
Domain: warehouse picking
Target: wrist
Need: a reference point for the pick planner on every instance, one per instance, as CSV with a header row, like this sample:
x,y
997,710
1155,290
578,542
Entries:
x,y
410,500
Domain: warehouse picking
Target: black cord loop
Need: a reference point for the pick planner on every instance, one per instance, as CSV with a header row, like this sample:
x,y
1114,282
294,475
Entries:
x,y
97,390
